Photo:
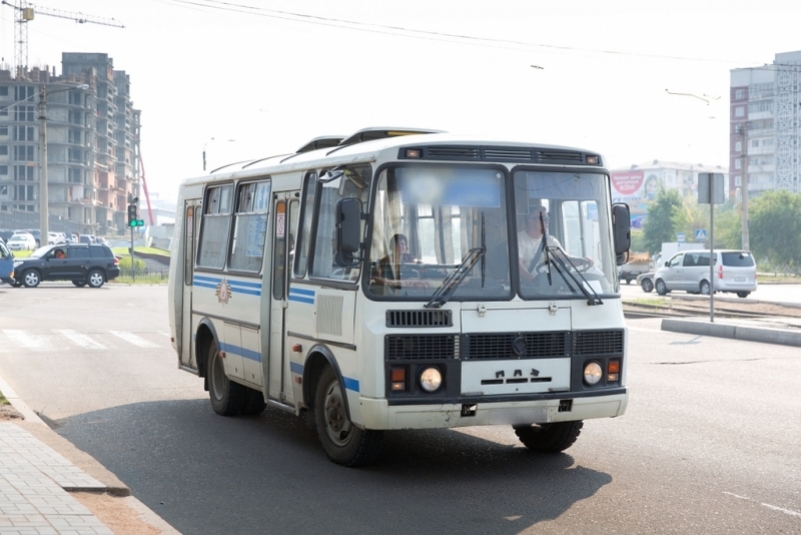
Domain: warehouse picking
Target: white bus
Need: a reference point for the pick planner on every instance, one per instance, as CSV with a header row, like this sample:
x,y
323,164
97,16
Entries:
x,y
398,279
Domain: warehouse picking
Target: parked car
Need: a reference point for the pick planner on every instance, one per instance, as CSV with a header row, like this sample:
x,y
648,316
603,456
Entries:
x,y
35,232
646,281
87,238
6,264
82,264
5,235
733,271
22,242
55,237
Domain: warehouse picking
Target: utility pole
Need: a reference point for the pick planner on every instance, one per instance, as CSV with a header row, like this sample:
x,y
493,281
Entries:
x,y
743,131
44,211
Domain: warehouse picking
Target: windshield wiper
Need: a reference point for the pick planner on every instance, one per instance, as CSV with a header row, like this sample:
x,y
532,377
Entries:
x,y
561,261
453,280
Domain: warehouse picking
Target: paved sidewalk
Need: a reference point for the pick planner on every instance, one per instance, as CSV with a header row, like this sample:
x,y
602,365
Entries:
x,y
34,480
38,471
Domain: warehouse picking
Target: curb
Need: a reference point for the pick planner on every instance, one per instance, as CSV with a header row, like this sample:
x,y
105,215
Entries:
x,y
113,485
736,332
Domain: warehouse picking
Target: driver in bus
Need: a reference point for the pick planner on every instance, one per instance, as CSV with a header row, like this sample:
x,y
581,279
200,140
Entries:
x,y
529,244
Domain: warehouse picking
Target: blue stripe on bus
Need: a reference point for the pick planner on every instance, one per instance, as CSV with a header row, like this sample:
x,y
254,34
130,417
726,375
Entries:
x,y
350,384
301,295
241,351
301,291
237,286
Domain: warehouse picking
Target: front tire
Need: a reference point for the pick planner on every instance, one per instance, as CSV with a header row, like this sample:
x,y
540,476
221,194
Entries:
x,y
95,279
31,278
661,287
343,442
549,438
647,285
227,398
705,288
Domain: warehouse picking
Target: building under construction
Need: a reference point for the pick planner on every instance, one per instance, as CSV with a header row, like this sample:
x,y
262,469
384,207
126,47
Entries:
x,y
92,139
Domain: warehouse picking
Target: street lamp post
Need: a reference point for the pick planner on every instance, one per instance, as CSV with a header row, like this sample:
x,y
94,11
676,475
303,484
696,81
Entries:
x,y
204,149
743,131
43,197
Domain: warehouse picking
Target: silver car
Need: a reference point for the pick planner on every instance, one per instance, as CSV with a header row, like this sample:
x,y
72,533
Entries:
x,y
732,271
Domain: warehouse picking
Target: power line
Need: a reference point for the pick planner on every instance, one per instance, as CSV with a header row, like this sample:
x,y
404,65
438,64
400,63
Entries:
x,y
420,34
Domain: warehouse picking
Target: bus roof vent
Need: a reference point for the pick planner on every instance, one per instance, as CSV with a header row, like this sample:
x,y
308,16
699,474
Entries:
x,y
559,156
419,318
321,142
445,152
508,154
598,342
370,134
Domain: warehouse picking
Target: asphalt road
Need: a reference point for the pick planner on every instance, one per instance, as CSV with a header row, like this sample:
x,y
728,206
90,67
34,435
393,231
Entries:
x,y
709,443
773,293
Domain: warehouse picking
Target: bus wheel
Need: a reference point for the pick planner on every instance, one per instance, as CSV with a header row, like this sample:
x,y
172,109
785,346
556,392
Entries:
x,y
227,398
254,403
549,438
343,442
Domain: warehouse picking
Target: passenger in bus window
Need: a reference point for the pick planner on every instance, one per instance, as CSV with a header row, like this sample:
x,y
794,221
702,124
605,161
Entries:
x,y
390,269
529,244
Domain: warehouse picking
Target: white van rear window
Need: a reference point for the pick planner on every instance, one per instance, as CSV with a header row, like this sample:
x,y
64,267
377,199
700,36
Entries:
x,y
738,259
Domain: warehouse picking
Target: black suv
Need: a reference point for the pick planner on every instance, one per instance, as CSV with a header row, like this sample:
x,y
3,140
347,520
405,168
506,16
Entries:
x,y
77,262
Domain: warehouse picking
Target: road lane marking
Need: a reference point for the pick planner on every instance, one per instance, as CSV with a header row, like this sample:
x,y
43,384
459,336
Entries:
x,y
769,506
81,339
133,339
36,342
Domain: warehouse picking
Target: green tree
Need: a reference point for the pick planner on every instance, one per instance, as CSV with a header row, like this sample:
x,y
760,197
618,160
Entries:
x,y
659,226
775,228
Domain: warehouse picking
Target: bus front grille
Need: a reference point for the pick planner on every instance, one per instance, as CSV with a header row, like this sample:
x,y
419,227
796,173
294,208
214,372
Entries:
x,y
515,345
419,318
421,347
598,342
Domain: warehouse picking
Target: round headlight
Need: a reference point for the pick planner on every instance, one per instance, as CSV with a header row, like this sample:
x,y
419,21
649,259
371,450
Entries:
x,y
430,379
592,373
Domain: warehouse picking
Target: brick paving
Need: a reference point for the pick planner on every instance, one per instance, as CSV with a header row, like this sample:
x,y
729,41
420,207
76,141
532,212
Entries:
x,y
34,480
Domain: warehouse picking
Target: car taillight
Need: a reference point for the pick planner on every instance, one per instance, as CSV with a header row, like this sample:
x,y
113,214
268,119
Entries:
x,y
116,261
720,271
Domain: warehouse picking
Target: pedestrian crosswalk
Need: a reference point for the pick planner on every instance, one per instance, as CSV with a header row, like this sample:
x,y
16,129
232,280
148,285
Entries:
x,y
52,340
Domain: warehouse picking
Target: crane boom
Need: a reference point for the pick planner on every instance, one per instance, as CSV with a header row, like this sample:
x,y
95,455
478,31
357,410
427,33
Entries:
x,y
25,14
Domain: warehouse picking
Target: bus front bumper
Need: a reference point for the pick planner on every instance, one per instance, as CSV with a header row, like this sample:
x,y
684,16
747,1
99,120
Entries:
x,y
378,414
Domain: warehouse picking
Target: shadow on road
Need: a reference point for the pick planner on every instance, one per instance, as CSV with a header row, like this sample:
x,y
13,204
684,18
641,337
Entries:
x,y
207,474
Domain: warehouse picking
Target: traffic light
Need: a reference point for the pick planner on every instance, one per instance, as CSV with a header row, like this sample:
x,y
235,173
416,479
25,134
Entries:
x,y
133,216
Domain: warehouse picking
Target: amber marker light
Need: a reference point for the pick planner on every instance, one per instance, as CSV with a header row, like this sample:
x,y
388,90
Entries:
x,y
413,153
593,160
398,379
613,371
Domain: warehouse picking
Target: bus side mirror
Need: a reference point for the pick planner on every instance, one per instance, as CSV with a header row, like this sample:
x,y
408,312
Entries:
x,y
348,221
621,225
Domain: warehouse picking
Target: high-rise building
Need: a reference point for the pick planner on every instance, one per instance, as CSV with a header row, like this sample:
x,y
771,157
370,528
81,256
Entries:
x,y
92,146
764,149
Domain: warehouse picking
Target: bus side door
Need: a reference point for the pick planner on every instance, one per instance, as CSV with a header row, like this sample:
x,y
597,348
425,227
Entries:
x,y
190,232
285,224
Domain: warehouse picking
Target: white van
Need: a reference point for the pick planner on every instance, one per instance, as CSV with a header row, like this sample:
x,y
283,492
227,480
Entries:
x,y
733,271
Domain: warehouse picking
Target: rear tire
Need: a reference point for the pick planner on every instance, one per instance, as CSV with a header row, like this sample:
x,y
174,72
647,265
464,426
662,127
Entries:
x,y
95,279
343,442
227,398
647,285
31,278
254,403
743,294
549,438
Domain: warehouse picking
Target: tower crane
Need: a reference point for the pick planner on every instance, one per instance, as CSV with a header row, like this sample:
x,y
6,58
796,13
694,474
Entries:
x,y
25,13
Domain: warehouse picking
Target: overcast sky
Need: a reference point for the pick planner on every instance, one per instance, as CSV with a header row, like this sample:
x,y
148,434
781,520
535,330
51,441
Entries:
x,y
272,74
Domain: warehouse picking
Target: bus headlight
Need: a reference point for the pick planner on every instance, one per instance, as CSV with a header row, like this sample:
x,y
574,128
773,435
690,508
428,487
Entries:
x,y
430,379
592,373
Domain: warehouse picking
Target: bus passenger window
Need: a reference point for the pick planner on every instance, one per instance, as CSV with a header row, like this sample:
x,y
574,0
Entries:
x,y
250,229
215,226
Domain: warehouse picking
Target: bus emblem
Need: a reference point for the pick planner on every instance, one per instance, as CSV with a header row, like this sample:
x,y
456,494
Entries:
x,y
223,292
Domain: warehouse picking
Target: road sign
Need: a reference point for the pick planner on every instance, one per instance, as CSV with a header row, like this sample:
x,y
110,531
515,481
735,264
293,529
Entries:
x,y
680,237
700,234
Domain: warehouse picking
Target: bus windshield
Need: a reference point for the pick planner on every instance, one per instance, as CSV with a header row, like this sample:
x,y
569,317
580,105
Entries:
x,y
440,231
444,232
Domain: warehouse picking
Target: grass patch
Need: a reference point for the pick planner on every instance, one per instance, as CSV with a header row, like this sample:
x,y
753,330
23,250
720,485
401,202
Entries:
x,y
22,254
656,302
778,277
3,400
123,251
149,278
